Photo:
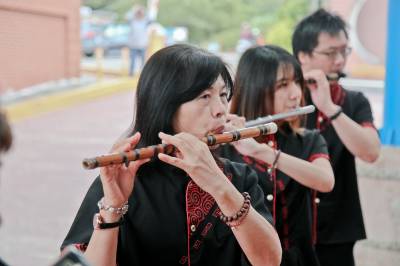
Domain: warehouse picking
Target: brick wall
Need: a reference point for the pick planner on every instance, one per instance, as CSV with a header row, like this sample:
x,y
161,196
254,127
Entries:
x,y
39,41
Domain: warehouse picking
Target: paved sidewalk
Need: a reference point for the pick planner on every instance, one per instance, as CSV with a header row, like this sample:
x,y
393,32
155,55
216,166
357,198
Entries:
x,y
51,101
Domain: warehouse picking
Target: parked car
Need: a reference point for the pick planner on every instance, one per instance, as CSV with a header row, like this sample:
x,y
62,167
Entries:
x,y
91,37
115,37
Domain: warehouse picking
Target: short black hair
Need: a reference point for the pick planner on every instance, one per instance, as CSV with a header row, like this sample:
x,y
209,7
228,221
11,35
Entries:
x,y
306,33
256,78
172,76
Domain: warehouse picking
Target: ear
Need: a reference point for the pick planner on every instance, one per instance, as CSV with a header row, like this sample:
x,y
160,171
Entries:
x,y
304,58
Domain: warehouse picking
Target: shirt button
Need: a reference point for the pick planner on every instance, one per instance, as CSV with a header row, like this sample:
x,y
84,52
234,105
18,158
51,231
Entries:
x,y
317,200
320,119
193,228
270,197
271,143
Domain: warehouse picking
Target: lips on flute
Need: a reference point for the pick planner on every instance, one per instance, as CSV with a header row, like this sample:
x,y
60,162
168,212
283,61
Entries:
x,y
151,151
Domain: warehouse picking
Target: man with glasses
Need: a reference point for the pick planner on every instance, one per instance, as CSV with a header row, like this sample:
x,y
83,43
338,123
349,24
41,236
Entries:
x,y
320,43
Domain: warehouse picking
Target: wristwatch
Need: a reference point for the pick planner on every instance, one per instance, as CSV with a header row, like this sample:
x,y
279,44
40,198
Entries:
x,y
98,222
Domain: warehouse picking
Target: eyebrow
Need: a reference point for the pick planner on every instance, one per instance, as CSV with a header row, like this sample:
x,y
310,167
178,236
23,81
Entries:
x,y
336,47
282,79
211,87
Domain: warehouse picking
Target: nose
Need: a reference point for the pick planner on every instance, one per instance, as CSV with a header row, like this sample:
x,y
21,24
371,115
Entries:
x,y
218,107
294,91
340,59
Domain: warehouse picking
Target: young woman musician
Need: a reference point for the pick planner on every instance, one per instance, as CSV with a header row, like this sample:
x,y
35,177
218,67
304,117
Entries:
x,y
177,204
289,164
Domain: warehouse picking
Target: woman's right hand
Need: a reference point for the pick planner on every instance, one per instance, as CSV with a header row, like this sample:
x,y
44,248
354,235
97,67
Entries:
x,y
118,180
248,146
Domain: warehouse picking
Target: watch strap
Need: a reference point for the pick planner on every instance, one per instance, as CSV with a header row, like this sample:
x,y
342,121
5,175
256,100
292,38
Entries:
x,y
100,224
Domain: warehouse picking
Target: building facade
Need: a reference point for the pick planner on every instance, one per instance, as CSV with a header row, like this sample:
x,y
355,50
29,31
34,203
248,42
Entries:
x,y
39,42
367,20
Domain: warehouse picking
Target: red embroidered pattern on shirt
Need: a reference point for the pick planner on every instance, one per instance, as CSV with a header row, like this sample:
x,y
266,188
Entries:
x,y
198,205
199,202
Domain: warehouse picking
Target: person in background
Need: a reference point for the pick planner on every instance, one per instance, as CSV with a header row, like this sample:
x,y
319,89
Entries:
x,y
138,38
320,43
290,164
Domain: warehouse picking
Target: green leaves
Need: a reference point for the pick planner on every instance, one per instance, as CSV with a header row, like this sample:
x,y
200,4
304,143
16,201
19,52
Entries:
x,y
220,20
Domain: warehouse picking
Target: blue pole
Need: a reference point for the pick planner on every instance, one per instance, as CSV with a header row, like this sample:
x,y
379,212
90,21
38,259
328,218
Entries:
x,y
390,133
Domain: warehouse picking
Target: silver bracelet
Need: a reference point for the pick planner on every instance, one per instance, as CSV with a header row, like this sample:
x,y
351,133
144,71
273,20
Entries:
x,y
121,210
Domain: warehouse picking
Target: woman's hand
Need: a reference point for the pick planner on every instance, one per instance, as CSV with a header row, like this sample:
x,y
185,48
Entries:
x,y
194,157
248,146
118,180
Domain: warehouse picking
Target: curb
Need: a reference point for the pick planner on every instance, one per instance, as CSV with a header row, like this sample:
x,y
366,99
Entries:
x,y
47,103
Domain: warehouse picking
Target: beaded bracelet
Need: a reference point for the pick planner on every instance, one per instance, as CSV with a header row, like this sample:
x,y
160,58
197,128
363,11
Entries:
x,y
120,211
236,219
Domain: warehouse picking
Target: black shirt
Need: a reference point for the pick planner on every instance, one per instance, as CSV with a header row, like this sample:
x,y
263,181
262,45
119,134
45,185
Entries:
x,y
164,208
339,212
293,200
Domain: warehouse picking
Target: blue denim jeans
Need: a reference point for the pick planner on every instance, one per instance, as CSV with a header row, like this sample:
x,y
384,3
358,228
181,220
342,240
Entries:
x,y
136,53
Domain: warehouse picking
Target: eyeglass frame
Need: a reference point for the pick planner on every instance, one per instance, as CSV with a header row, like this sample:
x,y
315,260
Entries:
x,y
333,54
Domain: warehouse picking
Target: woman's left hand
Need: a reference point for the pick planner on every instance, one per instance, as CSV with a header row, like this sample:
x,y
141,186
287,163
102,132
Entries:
x,y
194,157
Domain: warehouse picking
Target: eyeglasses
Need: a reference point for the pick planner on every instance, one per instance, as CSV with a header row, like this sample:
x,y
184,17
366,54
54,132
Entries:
x,y
333,54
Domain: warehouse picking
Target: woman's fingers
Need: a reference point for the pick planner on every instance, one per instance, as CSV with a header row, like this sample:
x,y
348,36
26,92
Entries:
x,y
235,121
177,141
122,144
177,162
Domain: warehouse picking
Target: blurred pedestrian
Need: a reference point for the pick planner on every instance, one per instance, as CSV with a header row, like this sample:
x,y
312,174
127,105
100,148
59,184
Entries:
x,y
138,38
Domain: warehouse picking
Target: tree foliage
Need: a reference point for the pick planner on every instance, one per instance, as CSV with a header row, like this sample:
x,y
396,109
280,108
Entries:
x,y
220,20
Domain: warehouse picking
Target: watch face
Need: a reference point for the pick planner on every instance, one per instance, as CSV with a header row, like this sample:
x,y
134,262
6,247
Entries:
x,y
97,221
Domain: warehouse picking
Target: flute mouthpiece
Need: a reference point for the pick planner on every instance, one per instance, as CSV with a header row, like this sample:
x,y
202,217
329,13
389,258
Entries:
x,y
90,163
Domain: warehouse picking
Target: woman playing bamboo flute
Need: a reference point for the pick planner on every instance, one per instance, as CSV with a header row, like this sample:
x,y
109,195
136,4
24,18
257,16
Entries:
x,y
189,208
290,164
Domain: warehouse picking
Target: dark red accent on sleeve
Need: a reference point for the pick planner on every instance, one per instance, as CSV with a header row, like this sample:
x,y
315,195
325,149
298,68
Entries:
x,y
260,167
368,124
81,247
318,155
247,159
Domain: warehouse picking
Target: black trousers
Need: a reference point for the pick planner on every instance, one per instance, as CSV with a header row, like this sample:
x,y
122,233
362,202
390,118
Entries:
x,y
336,254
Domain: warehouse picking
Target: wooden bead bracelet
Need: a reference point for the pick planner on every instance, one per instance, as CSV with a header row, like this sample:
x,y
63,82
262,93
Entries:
x,y
236,219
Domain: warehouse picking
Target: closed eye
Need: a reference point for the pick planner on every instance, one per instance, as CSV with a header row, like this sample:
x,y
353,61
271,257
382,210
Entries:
x,y
205,96
282,84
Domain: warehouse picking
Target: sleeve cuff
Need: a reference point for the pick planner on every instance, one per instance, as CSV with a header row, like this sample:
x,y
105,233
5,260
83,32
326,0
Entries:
x,y
318,155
